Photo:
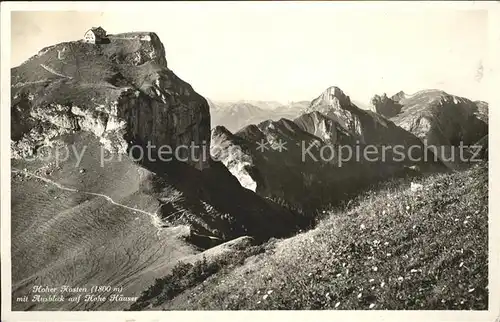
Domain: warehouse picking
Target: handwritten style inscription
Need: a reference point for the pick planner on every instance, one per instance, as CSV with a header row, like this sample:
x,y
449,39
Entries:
x,y
65,293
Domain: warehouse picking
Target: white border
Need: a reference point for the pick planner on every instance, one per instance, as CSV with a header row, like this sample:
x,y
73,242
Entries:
x,y
491,67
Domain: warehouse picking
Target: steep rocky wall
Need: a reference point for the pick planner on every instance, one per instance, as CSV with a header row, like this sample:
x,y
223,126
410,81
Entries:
x,y
337,105
444,122
121,90
324,128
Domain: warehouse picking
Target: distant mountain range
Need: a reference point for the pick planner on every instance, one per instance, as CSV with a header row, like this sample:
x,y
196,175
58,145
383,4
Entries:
x,y
431,116
238,114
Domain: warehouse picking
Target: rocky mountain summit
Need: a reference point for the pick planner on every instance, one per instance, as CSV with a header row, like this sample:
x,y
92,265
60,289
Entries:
x,y
441,120
80,221
363,125
122,91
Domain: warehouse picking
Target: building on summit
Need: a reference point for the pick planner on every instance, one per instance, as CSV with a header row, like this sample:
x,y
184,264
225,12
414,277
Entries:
x,y
95,35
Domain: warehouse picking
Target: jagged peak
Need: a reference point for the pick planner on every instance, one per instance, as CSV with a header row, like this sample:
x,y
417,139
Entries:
x,y
398,96
335,91
334,88
250,131
221,130
432,91
332,97
435,96
275,124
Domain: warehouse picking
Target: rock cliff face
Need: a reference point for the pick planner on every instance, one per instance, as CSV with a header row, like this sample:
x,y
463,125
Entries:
x,y
444,122
235,154
324,128
337,106
482,111
122,91
364,126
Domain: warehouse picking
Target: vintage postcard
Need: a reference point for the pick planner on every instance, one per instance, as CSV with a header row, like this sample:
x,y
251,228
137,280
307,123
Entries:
x,y
249,160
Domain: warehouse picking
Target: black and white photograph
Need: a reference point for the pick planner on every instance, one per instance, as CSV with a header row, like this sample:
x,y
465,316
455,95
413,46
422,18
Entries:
x,y
280,156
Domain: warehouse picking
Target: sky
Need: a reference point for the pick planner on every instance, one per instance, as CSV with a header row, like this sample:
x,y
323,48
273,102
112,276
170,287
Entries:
x,y
290,51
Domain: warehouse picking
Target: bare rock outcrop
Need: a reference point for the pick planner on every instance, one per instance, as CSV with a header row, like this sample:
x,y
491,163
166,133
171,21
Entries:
x,y
365,126
387,106
234,153
482,110
444,122
337,106
121,90
324,128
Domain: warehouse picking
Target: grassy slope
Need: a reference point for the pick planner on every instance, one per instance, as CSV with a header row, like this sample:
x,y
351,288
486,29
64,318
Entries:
x,y
391,249
69,238
90,73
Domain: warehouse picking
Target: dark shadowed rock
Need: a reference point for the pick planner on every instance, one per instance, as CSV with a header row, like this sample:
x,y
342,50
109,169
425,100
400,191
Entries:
x,y
387,106
480,148
398,96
